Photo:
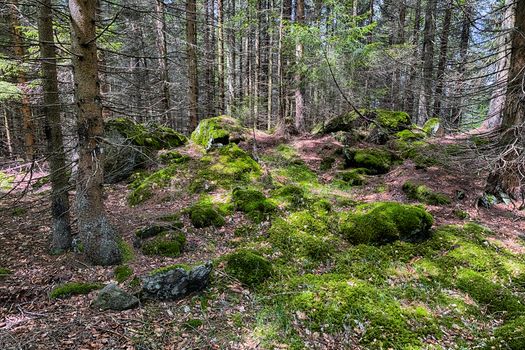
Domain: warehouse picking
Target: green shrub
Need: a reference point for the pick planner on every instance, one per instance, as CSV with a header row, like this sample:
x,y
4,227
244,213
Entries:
x,y
253,203
73,288
385,222
424,194
169,245
248,267
122,273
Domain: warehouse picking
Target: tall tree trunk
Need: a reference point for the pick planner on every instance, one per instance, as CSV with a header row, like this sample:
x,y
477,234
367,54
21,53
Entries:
x,y
443,52
497,101
98,236
160,28
20,53
411,101
299,94
270,70
220,54
429,32
209,45
191,37
61,228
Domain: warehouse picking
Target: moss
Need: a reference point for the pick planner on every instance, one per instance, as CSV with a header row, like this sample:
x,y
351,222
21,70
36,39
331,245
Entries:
x,y
431,126
461,214
4,271
385,222
200,185
122,273
327,163
126,250
205,214
41,182
173,157
354,177
150,231
194,323
291,196
18,211
253,203
73,288
393,120
491,294
248,267
510,335
6,181
424,194
169,268
169,245
218,130
409,135
377,160
143,186
173,219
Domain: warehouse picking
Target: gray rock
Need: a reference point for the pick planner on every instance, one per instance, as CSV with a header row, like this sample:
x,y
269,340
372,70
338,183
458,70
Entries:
x,y
111,297
175,283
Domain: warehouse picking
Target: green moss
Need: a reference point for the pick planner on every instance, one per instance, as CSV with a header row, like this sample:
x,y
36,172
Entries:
x,y
385,222
122,273
126,250
150,231
173,219
424,194
163,269
431,126
510,335
461,214
73,288
143,186
6,181
377,160
41,182
205,214
248,267
169,245
290,196
393,120
253,203
200,185
216,130
4,271
194,323
326,163
173,157
354,177
18,211
409,135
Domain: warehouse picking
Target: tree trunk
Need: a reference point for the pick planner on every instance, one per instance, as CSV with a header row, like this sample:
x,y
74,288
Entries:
x,y
443,52
98,236
411,101
497,101
61,228
270,73
299,94
425,111
191,37
160,28
220,54
20,53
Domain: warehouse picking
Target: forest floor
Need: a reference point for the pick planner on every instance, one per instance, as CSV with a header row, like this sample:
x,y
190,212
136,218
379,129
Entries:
x,y
403,288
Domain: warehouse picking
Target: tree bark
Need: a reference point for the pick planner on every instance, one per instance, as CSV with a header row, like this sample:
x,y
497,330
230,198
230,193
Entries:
x,y
299,94
60,228
20,53
425,111
220,55
411,101
443,52
191,37
160,27
98,236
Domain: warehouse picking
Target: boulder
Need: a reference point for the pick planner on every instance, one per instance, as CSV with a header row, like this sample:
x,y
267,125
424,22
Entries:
x,y
175,283
217,131
111,297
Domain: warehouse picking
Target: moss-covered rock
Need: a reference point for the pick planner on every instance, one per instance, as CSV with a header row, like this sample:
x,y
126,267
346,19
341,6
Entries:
x,y
252,202
73,288
408,135
385,222
354,177
510,335
143,186
290,196
170,245
122,273
432,126
393,120
173,157
205,214
219,130
377,160
424,194
390,121
248,267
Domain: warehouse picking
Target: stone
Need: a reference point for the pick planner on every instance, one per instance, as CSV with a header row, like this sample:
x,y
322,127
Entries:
x,y
111,297
176,283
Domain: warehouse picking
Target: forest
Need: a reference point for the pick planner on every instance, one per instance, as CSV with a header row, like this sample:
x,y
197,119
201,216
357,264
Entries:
x,y
274,174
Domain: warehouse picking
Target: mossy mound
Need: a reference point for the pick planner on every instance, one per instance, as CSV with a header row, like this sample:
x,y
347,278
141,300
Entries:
x,y
424,194
410,135
248,267
511,335
253,203
122,273
376,160
393,120
204,214
73,288
219,130
354,177
6,182
385,222
155,230
169,244
432,126
173,157
290,196
303,236
143,185
326,163
152,136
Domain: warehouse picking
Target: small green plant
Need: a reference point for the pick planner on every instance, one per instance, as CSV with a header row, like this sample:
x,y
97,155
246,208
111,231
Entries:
x,y
4,271
73,288
122,273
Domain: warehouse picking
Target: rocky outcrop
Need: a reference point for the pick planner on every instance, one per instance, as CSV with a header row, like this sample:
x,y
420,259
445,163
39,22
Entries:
x,y
111,297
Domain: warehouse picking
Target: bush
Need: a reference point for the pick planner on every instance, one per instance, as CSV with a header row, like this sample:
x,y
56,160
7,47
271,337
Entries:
x,y
248,267
385,222
73,288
